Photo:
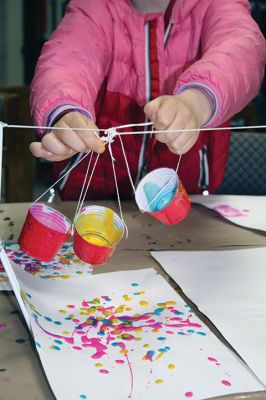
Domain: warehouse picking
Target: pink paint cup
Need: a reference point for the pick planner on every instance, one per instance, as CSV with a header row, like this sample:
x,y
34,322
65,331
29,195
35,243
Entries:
x,y
162,195
97,232
44,232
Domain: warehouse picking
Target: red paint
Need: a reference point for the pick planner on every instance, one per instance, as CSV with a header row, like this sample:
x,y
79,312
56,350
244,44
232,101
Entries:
x,y
120,361
177,210
2,326
40,241
104,371
189,395
212,359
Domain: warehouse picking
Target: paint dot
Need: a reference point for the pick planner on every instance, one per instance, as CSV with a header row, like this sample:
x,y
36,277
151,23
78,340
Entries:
x,y
158,381
180,333
190,331
3,370
57,323
20,341
70,306
83,396
37,344
2,326
58,342
212,359
188,395
134,284
104,371
161,338
98,365
62,311
143,303
201,333
15,312
226,383
55,348
48,319
171,366
120,361
77,348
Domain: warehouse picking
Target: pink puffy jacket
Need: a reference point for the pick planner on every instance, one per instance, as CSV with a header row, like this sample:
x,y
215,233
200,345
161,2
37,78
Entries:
x,y
106,60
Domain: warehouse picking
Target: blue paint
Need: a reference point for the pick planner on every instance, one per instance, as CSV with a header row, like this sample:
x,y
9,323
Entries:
x,y
134,284
201,333
180,333
163,199
57,323
161,338
20,341
83,396
190,331
178,313
48,319
58,341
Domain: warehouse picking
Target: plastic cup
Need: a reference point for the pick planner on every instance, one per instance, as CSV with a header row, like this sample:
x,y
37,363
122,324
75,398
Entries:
x,y
162,195
97,232
44,232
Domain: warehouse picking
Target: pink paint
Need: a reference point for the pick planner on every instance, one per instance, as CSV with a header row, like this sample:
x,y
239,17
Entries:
x,y
96,344
212,359
189,395
104,371
77,348
226,383
228,211
70,306
170,332
120,361
2,326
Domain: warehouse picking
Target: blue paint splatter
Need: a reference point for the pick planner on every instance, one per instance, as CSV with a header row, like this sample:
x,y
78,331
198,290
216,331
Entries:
x,y
134,284
20,341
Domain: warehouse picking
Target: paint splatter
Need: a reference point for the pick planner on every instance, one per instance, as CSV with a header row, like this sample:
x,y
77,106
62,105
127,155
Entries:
x,y
189,395
83,396
104,371
226,383
20,341
2,326
227,211
158,381
171,366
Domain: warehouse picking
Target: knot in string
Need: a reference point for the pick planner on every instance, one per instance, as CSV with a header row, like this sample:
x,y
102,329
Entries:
x,y
109,135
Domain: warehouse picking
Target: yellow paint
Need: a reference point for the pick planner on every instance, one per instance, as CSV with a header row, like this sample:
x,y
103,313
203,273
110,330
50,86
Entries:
x,y
143,303
123,351
160,355
65,333
62,311
64,277
98,365
138,339
127,298
146,345
142,293
155,330
158,381
128,308
99,228
120,309
171,366
138,330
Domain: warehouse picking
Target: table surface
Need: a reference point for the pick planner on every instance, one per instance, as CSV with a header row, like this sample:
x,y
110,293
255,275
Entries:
x,y
21,374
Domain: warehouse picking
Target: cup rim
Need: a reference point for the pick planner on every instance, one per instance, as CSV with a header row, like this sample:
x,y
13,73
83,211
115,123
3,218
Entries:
x,y
67,220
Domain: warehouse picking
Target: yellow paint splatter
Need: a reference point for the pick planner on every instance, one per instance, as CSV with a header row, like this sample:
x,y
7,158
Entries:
x,y
146,345
62,311
143,303
171,366
158,381
98,365
65,333
123,351
128,308
127,298
120,309
138,339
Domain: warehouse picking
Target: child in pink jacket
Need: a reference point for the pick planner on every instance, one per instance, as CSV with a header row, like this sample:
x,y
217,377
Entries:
x,y
182,64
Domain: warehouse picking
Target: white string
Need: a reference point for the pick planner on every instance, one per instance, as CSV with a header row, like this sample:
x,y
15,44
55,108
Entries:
x,y
178,163
136,132
67,172
111,133
127,165
86,191
82,189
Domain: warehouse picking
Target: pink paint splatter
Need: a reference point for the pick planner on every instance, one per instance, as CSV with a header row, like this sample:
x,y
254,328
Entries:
x,y
188,395
226,383
2,326
228,211
104,371
120,361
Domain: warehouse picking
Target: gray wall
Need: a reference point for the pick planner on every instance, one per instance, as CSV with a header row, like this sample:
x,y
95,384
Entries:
x,y
11,42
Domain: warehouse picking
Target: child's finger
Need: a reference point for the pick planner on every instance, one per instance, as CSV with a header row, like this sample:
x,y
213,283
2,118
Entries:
x,y
52,143
70,138
89,138
151,108
39,151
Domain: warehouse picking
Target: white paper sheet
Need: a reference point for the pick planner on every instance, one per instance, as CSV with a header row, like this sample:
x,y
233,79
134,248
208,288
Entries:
x,y
230,288
247,211
127,335
65,265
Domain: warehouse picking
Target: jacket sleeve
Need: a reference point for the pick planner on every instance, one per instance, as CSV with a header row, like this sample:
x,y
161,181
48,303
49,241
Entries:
x,y
74,62
233,55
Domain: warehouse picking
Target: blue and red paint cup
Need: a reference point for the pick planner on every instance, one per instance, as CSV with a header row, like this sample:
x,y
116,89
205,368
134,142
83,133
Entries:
x,y
97,232
44,232
162,195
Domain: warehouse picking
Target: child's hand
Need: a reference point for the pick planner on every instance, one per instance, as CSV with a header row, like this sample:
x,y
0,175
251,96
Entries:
x,y
189,110
57,145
